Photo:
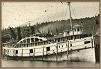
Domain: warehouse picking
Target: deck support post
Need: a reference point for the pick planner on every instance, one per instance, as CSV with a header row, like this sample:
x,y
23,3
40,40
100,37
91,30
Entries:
x,y
67,50
34,54
22,53
57,52
43,54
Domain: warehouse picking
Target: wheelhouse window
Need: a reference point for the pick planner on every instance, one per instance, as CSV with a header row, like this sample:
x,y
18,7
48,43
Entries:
x,y
48,48
86,42
31,50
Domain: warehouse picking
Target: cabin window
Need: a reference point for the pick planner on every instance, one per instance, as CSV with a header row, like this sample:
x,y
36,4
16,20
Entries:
x,y
21,42
44,42
31,50
71,45
86,42
71,37
24,41
68,32
8,50
36,39
67,38
32,39
28,40
77,37
78,29
81,36
63,39
35,44
58,39
16,52
40,39
85,35
75,29
48,48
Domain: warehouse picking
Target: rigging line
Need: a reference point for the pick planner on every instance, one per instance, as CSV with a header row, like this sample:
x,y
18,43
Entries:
x,y
65,11
73,11
62,6
69,6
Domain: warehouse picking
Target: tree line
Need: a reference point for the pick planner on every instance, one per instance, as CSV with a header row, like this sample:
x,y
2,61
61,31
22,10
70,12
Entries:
x,y
48,29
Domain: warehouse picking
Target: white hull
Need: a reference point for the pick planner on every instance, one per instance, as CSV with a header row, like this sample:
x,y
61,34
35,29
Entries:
x,y
82,55
57,51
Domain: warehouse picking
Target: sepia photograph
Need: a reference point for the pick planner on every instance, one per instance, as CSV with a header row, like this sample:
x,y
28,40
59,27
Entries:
x,y
50,34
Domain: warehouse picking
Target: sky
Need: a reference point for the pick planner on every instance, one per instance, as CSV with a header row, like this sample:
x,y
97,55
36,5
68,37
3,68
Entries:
x,y
21,13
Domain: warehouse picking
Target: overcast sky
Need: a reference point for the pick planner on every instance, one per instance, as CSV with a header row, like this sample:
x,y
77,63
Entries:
x,y
19,13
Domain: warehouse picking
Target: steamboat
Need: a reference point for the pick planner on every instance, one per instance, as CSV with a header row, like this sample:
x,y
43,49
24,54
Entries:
x,y
73,45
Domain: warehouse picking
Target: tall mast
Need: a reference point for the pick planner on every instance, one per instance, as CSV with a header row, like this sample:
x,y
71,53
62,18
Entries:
x,y
70,15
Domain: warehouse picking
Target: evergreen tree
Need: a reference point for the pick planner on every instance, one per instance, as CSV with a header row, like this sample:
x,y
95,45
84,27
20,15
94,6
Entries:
x,y
19,33
13,35
57,31
32,30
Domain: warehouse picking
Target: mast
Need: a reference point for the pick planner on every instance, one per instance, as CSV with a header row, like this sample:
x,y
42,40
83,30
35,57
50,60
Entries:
x,y
70,16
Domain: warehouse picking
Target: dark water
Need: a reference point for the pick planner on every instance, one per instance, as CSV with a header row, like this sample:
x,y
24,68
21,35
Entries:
x,y
14,63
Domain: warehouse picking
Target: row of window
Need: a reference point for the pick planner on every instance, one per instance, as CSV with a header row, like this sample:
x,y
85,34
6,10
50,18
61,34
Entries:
x,y
78,29
32,40
48,48
51,41
31,50
86,42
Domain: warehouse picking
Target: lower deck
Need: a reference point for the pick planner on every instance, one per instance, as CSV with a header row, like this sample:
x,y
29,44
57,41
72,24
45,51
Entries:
x,y
83,54
49,49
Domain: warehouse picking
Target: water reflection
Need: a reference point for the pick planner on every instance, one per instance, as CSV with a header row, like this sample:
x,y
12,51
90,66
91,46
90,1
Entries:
x,y
13,63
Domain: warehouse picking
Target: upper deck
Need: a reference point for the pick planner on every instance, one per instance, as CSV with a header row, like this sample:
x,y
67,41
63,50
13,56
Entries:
x,y
75,33
28,41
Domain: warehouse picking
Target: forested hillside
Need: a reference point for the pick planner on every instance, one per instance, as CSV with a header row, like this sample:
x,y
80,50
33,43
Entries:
x,y
90,25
